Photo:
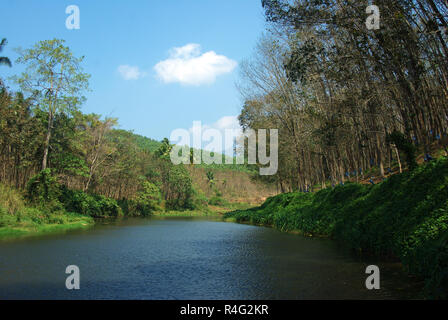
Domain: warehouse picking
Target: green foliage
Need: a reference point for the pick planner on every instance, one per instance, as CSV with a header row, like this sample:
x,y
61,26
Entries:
x,y
200,201
10,200
405,217
51,64
217,201
164,149
4,60
406,146
150,197
148,200
93,205
180,189
210,177
43,191
54,78
66,155
18,219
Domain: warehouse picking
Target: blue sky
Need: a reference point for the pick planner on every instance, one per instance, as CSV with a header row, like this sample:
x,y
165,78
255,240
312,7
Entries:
x,y
155,65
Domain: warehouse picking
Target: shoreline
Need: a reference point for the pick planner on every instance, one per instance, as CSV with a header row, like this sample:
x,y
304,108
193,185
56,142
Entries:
x,y
11,233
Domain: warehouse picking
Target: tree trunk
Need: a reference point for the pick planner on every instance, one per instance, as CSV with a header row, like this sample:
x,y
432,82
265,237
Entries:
x,y
47,141
398,158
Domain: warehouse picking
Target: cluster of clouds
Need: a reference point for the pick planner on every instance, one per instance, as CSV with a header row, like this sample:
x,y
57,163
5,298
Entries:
x,y
186,65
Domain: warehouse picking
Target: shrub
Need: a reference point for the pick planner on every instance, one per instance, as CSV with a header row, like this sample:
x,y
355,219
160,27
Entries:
x,y
217,201
89,204
44,191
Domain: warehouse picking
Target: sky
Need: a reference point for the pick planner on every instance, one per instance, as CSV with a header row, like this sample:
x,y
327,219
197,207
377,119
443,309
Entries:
x,y
156,65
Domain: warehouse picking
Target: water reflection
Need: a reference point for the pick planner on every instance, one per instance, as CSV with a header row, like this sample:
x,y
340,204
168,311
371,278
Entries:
x,y
188,258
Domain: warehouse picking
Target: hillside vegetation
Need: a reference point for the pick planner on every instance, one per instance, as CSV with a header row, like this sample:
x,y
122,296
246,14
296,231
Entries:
x,y
405,217
17,218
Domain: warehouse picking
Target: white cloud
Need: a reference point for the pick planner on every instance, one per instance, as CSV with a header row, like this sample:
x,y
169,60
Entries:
x,y
130,72
186,65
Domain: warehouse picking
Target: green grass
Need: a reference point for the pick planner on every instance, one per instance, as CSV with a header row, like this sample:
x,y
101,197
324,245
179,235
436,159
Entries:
x,y
187,213
19,220
54,223
405,217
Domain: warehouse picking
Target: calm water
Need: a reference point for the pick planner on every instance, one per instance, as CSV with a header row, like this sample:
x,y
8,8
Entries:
x,y
189,259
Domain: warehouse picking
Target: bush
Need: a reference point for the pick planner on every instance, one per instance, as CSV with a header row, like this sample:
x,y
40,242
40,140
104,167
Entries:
x,y
43,191
147,201
217,201
89,204
200,201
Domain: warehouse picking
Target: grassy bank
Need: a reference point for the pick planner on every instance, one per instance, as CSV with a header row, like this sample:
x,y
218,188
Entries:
x,y
206,211
32,222
186,213
405,217
17,219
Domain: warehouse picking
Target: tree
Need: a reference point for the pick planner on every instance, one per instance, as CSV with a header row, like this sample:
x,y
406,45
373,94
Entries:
x,y
4,60
149,198
97,148
180,189
210,178
55,79
164,150
336,90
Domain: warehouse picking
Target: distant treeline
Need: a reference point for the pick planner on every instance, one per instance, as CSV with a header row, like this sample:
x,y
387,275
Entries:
x,y
44,135
344,98
86,153
47,143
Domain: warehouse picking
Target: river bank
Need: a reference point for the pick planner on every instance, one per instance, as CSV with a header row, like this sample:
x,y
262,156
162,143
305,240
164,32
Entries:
x,y
405,217
31,222
42,224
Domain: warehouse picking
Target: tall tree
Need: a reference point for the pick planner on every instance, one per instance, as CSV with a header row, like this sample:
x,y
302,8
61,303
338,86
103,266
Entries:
x,y
4,60
336,90
54,77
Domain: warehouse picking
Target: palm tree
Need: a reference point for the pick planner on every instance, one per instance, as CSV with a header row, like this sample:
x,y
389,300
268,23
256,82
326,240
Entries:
x,y
4,60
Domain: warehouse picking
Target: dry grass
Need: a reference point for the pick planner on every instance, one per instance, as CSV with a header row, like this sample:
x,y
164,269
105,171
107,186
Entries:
x,y
234,186
11,199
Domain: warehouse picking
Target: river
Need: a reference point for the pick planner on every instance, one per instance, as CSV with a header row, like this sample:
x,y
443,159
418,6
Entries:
x,y
190,258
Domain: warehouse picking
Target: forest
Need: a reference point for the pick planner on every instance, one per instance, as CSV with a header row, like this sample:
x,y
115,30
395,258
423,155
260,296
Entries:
x,y
351,104
58,160
362,117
